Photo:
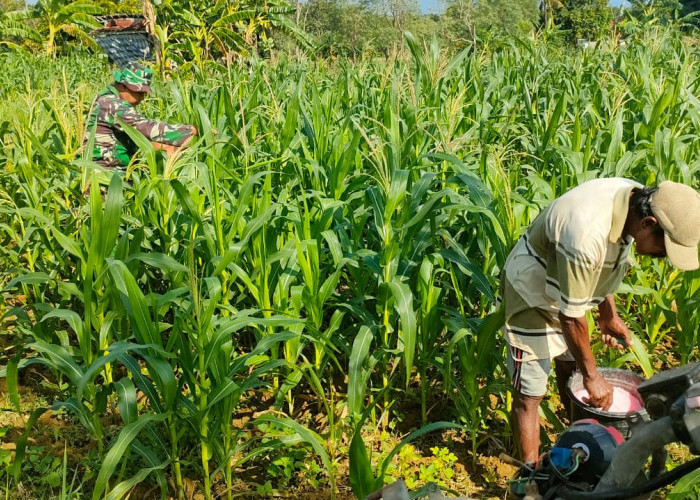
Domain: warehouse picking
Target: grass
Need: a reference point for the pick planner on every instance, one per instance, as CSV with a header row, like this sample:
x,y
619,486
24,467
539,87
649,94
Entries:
x,y
339,238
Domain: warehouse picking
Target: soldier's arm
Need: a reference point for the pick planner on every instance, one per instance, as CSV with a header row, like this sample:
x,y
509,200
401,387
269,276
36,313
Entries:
x,y
172,135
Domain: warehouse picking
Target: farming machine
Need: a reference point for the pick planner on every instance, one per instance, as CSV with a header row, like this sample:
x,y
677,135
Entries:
x,y
594,461
591,460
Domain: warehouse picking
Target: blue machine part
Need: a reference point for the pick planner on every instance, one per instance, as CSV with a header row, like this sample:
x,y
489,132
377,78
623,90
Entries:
x,y
561,458
598,443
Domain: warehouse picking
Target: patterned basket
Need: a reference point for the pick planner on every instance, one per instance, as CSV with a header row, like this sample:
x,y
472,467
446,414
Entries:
x,y
124,38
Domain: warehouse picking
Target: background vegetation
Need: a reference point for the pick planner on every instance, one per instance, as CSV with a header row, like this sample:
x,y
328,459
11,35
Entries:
x,y
318,273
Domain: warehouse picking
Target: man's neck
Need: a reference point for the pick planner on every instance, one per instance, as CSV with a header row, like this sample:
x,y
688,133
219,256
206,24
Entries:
x,y
632,225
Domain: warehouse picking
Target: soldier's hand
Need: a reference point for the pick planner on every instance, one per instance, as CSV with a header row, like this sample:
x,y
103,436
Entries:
x,y
194,130
165,147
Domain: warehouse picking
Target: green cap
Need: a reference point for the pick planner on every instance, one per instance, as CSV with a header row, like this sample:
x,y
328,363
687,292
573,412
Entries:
x,y
136,77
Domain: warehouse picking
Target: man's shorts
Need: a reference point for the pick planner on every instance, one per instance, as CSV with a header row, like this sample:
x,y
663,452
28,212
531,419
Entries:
x,y
530,377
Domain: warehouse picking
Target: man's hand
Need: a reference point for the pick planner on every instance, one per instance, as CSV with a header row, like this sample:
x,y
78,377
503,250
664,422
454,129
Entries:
x,y
599,390
615,333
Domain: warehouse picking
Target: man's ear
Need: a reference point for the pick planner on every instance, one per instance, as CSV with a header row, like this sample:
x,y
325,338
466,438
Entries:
x,y
649,222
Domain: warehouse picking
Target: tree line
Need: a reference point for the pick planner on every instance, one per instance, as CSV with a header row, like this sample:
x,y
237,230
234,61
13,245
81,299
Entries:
x,y
196,30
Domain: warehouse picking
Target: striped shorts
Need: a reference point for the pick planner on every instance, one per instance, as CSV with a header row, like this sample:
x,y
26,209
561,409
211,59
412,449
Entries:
x,y
530,377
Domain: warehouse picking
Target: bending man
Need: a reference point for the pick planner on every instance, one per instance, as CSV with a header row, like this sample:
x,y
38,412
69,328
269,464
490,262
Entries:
x,y
572,259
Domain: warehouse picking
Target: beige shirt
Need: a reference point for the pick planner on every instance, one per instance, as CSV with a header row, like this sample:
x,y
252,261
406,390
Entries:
x,y
570,258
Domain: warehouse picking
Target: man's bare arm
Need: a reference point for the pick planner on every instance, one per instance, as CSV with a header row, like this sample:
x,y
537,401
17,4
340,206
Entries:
x,y
614,332
575,331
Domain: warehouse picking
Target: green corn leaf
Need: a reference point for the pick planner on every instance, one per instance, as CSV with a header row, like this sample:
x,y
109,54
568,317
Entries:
x,y
21,446
334,246
420,188
162,374
81,411
126,397
75,322
486,335
267,342
68,244
356,382
114,352
119,447
158,260
641,355
27,279
11,377
152,460
397,192
245,194
404,306
291,120
330,284
362,480
258,222
186,201
224,334
662,103
456,254
685,487
291,380
229,256
614,148
135,303
143,144
142,382
123,488
109,227
426,208
377,202
60,359
554,121
221,391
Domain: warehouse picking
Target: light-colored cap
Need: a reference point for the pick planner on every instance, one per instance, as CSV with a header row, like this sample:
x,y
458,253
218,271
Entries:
x,y
677,207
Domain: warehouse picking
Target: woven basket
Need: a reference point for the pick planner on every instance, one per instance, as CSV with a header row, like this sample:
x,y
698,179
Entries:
x,y
124,38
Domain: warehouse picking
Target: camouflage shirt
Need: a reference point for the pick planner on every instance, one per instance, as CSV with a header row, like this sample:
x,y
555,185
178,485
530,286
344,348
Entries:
x,y
113,146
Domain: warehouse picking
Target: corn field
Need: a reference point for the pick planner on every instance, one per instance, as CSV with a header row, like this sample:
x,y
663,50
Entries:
x,y
336,233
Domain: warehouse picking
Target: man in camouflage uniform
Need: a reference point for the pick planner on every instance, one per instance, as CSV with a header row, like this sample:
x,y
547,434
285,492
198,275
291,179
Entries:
x,y
115,106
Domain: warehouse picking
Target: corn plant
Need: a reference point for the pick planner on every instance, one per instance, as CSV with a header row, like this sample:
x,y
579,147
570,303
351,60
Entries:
x,y
336,230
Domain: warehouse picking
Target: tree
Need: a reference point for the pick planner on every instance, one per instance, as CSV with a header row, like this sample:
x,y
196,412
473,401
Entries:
x,y
200,30
349,29
55,18
50,21
690,6
512,17
11,5
549,10
459,21
120,6
691,10
399,12
507,17
588,19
